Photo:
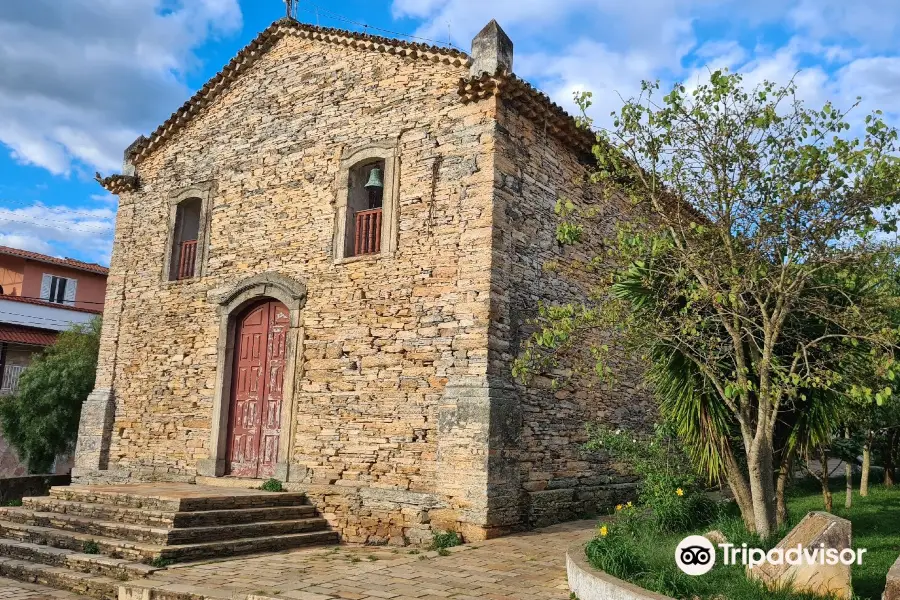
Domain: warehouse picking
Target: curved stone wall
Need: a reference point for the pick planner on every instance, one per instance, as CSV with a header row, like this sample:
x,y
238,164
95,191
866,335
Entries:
x,y
589,583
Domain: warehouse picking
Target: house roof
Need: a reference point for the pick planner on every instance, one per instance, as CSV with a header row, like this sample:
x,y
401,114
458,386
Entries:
x,y
31,336
62,262
50,304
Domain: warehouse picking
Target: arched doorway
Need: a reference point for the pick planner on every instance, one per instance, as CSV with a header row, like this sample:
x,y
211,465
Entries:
x,y
257,389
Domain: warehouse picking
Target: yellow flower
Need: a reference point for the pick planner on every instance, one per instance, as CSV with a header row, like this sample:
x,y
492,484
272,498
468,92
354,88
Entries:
x,y
680,492
618,507
603,531
628,505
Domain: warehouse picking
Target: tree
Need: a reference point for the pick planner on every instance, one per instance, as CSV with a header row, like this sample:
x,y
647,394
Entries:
x,y
41,420
754,222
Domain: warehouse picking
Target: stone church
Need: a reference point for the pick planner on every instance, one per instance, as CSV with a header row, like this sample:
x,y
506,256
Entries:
x,y
323,268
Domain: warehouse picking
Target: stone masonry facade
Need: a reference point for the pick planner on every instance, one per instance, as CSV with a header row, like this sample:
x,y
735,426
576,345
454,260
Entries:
x,y
402,416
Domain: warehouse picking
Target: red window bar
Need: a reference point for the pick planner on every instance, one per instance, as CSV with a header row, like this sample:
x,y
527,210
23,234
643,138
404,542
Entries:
x,y
187,259
368,232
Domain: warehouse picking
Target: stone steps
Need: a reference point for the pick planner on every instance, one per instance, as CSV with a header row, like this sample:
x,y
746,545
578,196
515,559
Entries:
x,y
70,540
95,564
114,497
275,543
91,539
86,525
157,535
144,552
120,514
85,584
163,519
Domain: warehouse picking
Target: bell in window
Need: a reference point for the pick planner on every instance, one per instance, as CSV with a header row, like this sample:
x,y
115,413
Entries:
x,y
375,188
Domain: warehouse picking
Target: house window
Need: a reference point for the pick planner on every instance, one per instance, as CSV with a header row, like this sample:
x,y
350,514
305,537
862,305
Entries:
x,y
59,290
183,263
365,209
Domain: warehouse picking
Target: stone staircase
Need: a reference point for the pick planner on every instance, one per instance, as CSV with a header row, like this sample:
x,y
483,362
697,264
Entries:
x,y
90,539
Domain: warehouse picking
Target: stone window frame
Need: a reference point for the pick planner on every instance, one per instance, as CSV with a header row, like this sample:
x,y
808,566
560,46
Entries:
x,y
203,192
385,150
230,303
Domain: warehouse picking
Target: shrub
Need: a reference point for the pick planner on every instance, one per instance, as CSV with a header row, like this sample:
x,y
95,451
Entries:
x,y
13,503
160,562
41,419
272,485
444,540
668,484
678,513
616,552
90,547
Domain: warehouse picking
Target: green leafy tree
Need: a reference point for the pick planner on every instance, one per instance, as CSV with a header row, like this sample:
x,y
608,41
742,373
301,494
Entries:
x,y
41,420
754,222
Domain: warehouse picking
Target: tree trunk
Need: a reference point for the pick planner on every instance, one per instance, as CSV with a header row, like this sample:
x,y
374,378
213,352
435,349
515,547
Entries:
x,y
867,464
741,490
889,460
784,472
848,472
823,479
762,485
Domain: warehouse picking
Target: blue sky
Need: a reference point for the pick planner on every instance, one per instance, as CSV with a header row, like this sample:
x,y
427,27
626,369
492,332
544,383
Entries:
x,y
81,79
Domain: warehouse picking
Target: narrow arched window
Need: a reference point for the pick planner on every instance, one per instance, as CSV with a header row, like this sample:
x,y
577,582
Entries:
x,y
366,215
183,263
365,208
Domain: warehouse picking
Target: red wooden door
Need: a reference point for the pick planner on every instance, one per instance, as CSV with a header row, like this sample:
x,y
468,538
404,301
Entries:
x,y
257,390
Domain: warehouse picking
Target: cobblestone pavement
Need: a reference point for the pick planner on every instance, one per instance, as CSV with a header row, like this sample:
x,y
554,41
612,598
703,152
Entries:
x,y
16,590
523,566
529,565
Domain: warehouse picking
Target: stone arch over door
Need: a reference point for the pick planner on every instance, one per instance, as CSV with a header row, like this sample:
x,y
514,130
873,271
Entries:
x,y
231,302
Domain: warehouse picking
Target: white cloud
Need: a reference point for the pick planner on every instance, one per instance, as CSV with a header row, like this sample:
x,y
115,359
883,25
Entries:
x,y
871,23
59,230
79,80
831,49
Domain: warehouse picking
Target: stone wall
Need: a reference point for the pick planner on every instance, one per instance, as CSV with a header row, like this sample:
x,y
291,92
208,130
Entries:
x,y
557,478
381,337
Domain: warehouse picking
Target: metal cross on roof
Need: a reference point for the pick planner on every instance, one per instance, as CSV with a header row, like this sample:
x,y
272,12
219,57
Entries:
x,y
291,5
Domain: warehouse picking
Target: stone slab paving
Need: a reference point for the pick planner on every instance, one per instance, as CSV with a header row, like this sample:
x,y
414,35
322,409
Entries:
x,y
529,565
16,590
523,566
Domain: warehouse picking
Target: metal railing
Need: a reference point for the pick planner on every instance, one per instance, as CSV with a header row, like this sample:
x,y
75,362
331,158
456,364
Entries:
x,y
11,374
187,259
368,232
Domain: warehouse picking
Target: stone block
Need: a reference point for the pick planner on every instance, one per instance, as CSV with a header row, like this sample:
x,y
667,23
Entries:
x,y
816,530
892,589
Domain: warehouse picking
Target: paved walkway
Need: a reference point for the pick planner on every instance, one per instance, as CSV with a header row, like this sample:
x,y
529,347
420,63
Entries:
x,y
529,565
16,590
523,566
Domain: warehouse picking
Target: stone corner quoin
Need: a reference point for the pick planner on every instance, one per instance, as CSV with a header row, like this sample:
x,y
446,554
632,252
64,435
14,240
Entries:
x,y
389,398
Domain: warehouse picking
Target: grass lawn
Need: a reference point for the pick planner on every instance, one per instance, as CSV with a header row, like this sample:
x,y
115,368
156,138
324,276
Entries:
x,y
647,559
876,527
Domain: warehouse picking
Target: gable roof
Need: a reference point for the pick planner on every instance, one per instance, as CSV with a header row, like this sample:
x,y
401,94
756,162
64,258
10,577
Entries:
x,y
39,302
532,103
253,51
62,262
29,336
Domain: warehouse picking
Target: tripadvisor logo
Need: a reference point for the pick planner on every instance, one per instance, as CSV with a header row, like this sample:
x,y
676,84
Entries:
x,y
696,555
